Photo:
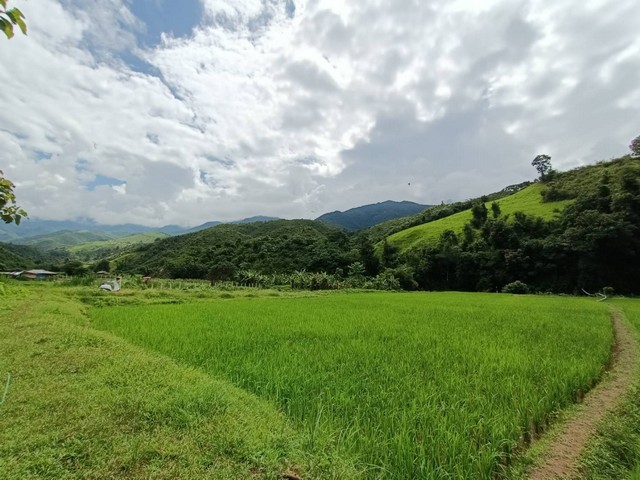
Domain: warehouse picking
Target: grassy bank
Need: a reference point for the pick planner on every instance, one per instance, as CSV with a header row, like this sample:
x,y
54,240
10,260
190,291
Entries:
x,y
85,404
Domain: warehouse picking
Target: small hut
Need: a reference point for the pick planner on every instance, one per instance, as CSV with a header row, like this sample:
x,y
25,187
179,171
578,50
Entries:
x,y
37,274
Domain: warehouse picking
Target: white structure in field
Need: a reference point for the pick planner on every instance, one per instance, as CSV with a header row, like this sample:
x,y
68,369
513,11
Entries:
x,y
113,286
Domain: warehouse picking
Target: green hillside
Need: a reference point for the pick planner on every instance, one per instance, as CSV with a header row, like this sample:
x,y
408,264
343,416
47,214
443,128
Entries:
x,y
279,246
383,230
19,257
11,260
529,201
106,248
64,239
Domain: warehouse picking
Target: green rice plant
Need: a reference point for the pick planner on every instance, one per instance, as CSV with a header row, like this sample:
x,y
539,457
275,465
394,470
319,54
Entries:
x,y
77,403
445,385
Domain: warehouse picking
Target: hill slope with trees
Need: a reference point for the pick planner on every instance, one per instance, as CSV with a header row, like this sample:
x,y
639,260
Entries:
x,y
528,200
279,246
593,243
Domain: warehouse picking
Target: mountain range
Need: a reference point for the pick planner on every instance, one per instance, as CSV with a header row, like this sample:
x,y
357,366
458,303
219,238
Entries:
x,y
74,232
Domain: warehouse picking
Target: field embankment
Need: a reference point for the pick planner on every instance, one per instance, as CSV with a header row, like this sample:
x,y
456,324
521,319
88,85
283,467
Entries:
x,y
85,404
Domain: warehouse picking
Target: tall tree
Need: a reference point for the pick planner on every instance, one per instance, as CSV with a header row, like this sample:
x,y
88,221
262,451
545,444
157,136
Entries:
x,y
634,146
368,257
542,163
479,214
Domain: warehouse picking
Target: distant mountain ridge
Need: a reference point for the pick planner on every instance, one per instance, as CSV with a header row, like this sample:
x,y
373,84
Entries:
x,y
366,216
34,231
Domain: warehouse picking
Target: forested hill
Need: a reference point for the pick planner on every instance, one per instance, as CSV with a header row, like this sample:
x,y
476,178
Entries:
x,y
279,246
19,257
369,215
593,242
382,230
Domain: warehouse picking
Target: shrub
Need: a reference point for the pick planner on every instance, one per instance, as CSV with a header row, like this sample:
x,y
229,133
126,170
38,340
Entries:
x,y
516,287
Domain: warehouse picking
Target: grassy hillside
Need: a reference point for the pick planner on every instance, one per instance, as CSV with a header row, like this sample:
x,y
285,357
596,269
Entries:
x,y
528,200
385,229
106,248
64,239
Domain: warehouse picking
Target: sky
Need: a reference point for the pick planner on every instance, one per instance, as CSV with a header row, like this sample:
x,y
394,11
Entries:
x,y
161,112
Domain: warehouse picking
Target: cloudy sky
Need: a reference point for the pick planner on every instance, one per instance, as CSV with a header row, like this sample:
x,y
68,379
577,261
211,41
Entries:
x,y
162,111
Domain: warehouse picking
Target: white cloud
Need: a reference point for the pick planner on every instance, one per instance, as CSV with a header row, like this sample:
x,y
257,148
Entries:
x,y
264,112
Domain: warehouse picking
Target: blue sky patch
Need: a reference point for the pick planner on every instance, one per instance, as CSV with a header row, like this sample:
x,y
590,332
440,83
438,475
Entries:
x,y
290,8
102,180
82,165
227,162
40,155
177,19
138,64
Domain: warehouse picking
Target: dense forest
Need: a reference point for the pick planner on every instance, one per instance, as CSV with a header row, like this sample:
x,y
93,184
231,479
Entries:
x,y
14,257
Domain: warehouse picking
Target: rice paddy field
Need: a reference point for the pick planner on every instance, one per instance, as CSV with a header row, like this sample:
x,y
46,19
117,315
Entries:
x,y
401,385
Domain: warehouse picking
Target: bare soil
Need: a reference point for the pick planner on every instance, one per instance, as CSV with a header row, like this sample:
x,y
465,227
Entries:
x,y
562,460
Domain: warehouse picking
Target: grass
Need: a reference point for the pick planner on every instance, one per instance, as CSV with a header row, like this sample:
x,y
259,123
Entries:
x,y
405,385
614,453
528,201
85,404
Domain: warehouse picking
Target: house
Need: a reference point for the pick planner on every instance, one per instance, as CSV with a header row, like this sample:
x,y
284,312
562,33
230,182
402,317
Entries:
x,y
37,274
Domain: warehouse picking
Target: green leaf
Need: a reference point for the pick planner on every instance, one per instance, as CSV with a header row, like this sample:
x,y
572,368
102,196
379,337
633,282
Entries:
x,y
13,15
17,12
17,18
6,27
3,3
22,25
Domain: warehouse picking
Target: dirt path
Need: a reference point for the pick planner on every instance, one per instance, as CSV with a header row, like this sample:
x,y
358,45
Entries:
x,y
561,462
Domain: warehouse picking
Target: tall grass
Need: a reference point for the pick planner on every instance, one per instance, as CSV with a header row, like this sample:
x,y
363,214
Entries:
x,y
409,385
